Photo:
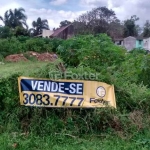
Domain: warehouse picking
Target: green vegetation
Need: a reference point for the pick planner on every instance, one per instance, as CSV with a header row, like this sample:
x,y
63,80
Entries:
x,y
127,127
23,44
38,26
62,142
26,68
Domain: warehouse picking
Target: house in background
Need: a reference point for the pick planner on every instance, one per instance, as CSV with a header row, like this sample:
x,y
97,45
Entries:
x,y
133,42
45,33
146,44
130,43
119,41
139,42
64,32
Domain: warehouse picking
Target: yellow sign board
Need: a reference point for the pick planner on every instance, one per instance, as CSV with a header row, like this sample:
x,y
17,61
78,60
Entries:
x,y
65,93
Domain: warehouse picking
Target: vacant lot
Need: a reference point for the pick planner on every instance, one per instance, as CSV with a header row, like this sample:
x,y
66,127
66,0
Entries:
x,y
126,128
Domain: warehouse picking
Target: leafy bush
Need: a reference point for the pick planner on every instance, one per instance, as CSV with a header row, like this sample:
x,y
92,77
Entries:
x,y
94,51
138,51
144,75
22,44
5,32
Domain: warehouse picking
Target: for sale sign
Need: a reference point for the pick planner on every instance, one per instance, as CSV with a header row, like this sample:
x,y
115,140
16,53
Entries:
x,y
65,93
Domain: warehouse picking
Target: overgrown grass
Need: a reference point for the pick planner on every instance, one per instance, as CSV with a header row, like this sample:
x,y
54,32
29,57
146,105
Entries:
x,y
66,129
14,140
25,68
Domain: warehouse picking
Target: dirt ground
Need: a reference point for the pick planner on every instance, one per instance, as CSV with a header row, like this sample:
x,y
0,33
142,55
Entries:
x,y
30,54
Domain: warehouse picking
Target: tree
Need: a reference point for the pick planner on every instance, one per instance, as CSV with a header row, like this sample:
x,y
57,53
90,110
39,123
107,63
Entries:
x,y
64,23
146,30
80,28
130,27
96,21
5,32
14,18
116,29
20,31
38,26
6,19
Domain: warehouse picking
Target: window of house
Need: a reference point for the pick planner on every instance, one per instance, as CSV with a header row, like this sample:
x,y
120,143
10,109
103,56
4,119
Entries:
x,y
118,42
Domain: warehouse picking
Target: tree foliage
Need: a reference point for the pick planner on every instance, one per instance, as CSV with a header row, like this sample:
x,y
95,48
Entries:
x,y
99,20
146,30
64,23
130,27
5,32
14,18
38,26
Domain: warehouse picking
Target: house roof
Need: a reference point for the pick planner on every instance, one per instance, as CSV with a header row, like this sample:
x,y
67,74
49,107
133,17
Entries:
x,y
139,38
118,39
130,37
38,35
57,31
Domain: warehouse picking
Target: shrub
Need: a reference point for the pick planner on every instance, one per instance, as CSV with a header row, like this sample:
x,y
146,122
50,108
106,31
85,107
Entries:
x,y
22,44
94,51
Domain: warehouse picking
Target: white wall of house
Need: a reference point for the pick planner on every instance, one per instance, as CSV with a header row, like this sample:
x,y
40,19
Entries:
x,y
130,43
47,33
146,44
